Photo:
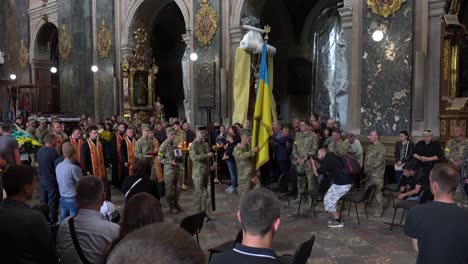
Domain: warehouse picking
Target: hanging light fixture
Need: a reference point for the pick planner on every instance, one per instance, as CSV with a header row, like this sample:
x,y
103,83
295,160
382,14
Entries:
x,y
94,68
13,76
378,35
53,69
193,56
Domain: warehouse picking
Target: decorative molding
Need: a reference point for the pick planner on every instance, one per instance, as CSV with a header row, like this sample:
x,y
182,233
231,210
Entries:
x,y
206,23
236,33
385,8
65,44
346,14
23,56
436,8
104,40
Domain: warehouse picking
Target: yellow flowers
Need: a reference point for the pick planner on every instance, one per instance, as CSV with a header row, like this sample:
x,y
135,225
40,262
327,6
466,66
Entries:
x,y
106,135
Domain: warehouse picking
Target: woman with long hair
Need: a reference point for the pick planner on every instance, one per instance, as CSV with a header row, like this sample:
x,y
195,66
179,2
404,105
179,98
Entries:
x,y
233,139
404,149
140,182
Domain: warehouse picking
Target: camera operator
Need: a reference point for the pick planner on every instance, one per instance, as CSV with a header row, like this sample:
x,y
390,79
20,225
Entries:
x,y
332,166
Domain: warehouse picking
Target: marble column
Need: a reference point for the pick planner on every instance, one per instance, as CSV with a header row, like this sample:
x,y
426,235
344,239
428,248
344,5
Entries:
x,y
3,40
76,78
351,24
188,42
432,72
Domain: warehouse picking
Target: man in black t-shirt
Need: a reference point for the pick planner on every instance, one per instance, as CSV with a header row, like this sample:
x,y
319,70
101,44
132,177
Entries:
x,y
438,229
427,153
410,184
332,166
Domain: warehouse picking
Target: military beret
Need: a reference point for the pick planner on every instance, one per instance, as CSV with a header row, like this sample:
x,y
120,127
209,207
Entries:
x,y
145,127
246,132
170,130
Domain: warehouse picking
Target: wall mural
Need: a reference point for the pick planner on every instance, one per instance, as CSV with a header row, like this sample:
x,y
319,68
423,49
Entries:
x,y
65,44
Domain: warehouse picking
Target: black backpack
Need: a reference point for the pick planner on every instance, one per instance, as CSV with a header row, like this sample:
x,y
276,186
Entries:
x,y
350,166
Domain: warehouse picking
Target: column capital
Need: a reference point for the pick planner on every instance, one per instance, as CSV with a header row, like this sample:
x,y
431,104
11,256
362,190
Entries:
x,y
41,64
236,33
346,14
436,8
187,39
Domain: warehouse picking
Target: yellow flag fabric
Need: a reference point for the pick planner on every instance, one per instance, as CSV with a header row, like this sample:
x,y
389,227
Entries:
x,y
241,85
263,113
273,102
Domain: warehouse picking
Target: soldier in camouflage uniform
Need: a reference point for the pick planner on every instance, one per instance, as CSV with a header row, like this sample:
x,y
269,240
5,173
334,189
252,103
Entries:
x,y
200,155
245,166
374,170
179,138
337,145
42,130
171,171
144,145
136,123
456,153
304,149
30,129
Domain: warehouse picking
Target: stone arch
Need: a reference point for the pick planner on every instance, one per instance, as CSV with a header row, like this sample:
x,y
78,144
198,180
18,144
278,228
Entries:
x,y
313,14
125,41
35,32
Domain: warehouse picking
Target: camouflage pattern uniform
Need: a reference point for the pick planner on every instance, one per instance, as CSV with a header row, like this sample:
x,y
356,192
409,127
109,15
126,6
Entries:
x,y
305,147
200,172
136,125
338,148
171,172
179,137
245,168
40,133
456,150
143,147
374,170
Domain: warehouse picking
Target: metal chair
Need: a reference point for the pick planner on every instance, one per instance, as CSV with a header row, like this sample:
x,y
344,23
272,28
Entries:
x,y
301,255
193,224
424,196
391,188
317,193
361,197
226,246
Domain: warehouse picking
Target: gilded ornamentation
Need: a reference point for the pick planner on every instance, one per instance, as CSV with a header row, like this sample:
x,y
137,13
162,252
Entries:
x,y
205,23
65,44
446,58
104,40
385,8
443,127
454,72
463,124
23,56
453,125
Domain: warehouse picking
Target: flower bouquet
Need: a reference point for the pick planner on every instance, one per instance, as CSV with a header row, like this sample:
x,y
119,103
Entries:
x,y
26,142
105,135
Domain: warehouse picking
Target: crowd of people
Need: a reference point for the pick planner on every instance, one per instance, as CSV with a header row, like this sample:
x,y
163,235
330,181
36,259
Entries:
x,y
148,160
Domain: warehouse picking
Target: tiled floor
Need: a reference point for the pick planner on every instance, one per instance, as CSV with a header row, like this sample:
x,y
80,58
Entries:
x,y
370,242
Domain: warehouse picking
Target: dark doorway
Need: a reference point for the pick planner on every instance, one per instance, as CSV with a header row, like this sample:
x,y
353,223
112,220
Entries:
x,y
168,49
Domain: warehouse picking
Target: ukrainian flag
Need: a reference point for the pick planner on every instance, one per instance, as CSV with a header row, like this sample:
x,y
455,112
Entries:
x,y
263,113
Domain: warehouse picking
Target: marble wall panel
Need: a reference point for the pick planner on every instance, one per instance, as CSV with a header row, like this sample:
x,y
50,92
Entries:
x,y
3,38
76,78
106,74
208,54
387,68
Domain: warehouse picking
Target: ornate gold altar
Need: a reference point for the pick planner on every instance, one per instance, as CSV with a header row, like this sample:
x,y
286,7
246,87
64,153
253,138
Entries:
x,y
138,76
453,108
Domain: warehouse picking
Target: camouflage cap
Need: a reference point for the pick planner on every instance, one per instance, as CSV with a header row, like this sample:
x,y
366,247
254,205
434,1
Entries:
x,y
170,130
42,119
145,127
246,132
31,119
54,119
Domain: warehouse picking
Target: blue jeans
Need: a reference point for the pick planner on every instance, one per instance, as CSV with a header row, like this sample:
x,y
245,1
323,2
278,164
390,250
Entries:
x,y
50,196
68,207
398,175
232,168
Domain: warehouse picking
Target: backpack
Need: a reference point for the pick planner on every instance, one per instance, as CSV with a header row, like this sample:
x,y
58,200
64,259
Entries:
x,y
350,166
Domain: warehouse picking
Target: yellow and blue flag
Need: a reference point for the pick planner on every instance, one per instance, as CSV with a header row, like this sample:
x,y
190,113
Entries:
x,y
263,113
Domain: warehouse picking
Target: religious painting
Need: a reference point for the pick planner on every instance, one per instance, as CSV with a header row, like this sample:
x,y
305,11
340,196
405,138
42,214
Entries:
x,y
140,89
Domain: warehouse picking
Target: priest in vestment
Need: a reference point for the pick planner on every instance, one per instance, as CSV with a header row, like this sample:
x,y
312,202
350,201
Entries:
x,y
127,150
117,165
77,141
92,158
60,136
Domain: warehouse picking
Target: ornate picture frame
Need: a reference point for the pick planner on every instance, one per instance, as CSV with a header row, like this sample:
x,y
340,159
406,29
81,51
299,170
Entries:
x,y
206,23
385,8
141,89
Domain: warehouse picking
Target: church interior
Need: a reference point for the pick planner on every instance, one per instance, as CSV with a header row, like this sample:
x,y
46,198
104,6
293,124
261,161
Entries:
x,y
386,73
